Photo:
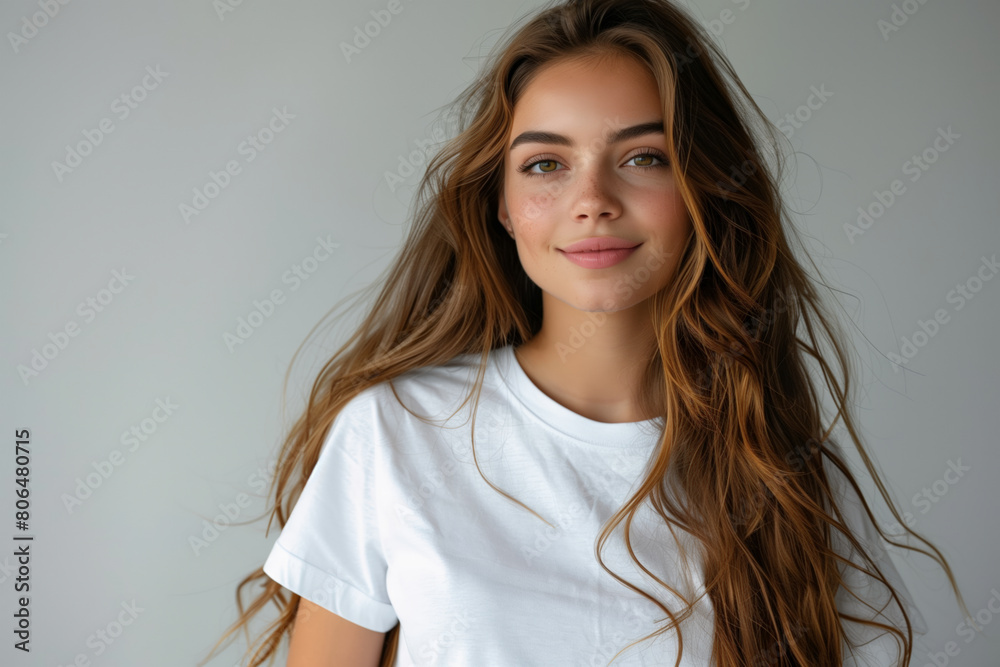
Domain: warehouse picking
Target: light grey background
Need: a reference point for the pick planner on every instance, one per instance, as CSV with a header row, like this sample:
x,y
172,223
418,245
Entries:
x,y
324,175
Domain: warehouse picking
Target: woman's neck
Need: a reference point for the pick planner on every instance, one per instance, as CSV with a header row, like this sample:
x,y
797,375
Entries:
x,y
591,363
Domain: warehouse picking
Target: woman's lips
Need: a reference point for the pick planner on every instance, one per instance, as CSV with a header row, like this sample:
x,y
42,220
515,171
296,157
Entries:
x,y
599,259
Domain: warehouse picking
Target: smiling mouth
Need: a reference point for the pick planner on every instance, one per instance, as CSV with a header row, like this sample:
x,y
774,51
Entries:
x,y
599,243
599,259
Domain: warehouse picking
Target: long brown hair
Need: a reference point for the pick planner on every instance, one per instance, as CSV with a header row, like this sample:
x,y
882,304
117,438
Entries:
x,y
736,332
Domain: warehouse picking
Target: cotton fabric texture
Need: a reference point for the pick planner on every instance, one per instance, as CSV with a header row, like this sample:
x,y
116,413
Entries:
x,y
395,524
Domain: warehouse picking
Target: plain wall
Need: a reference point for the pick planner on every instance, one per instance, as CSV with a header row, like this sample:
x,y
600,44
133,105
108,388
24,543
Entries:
x,y
161,336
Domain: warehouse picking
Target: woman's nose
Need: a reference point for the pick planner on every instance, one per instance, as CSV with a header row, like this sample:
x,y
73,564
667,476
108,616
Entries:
x,y
593,193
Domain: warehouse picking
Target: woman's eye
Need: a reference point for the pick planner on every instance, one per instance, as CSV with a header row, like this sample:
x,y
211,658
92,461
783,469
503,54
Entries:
x,y
547,166
543,165
648,160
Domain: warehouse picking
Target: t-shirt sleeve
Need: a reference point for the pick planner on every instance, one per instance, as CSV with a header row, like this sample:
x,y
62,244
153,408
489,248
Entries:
x,y
330,550
873,647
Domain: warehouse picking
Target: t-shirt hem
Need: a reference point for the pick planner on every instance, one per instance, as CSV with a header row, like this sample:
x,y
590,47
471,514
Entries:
x,y
327,591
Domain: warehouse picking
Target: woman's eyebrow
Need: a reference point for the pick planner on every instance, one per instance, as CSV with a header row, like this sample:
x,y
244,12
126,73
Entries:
x,y
540,137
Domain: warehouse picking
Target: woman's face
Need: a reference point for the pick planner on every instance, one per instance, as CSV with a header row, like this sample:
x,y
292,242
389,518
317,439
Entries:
x,y
567,178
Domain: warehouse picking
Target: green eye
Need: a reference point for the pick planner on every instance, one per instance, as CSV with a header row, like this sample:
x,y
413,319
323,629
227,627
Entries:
x,y
647,160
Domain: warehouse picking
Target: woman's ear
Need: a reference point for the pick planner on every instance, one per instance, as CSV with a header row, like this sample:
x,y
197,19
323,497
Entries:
x,y
503,217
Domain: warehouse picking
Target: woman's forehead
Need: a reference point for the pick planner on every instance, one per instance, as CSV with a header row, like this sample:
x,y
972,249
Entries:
x,y
573,97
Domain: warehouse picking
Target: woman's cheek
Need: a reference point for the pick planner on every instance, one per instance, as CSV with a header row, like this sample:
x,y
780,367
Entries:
x,y
535,207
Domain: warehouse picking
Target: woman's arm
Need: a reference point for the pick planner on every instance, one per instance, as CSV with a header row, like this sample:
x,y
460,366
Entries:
x,y
320,637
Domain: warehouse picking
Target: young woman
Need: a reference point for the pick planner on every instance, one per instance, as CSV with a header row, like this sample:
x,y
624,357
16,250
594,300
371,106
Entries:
x,y
578,426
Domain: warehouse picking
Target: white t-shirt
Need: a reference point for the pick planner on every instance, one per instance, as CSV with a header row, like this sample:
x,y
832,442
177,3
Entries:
x,y
396,524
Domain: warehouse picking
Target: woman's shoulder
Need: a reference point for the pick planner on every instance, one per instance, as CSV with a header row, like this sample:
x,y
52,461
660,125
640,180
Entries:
x,y
432,390
403,421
